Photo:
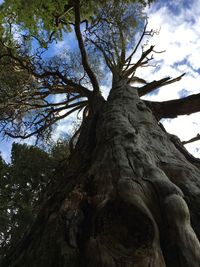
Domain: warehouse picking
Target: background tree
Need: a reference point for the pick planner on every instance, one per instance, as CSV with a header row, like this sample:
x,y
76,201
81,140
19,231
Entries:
x,y
126,194
22,183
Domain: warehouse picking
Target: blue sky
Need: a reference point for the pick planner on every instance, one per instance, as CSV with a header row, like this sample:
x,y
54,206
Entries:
x,y
178,23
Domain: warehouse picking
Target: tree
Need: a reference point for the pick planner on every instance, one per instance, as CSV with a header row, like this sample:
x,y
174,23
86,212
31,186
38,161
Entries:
x,y
129,194
22,183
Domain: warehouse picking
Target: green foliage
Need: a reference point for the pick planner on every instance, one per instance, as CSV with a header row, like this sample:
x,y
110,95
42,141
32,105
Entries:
x,y
114,26
40,18
60,151
21,184
13,80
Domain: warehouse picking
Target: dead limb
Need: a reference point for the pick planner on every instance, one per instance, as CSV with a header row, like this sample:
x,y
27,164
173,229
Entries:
x,y
148,88
194,139
177,107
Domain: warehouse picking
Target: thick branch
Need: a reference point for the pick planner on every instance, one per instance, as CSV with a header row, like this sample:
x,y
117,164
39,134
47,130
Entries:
x,y
151,86
173,80
85,63
71,87
61,105
174,108
157,84
74,87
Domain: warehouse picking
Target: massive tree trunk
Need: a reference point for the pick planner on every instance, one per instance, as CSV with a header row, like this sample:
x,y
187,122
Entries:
x,y
121,201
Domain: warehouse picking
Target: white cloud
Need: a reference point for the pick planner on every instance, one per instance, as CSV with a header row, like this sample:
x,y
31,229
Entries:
x,y
67,126
179,36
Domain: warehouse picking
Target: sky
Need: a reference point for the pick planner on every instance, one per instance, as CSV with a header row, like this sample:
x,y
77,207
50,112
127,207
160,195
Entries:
x,y
178,24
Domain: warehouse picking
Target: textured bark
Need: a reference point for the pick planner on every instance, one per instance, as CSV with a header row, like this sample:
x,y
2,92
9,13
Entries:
x,y
121,201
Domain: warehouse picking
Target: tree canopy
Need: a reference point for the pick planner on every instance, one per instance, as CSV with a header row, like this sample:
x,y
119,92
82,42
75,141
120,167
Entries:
x,y
37,90
105,30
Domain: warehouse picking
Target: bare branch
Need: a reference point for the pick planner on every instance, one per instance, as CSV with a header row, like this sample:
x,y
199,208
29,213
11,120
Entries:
x,y
151,86
26,105
74,87
24,64
139,63
35,106
85,63
159,52
157,84
46,125
123,48
194,139
174,108
71,87
178,144
107,60
128,60
173,80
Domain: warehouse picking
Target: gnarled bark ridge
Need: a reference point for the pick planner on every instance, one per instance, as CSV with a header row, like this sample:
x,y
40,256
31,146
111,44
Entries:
x,y
125,200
